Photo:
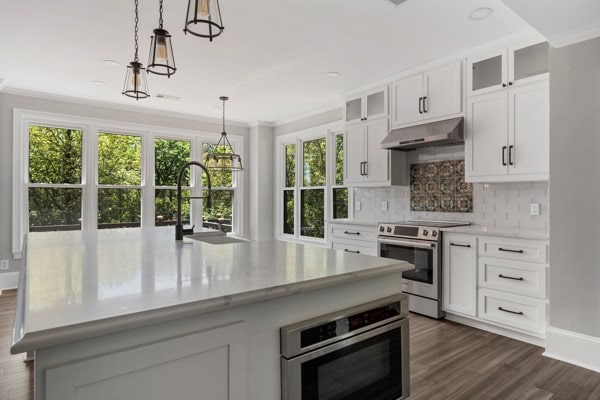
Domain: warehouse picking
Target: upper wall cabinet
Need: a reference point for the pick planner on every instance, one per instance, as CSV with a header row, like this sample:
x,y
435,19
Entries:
x,y
513,66
367,106
433,94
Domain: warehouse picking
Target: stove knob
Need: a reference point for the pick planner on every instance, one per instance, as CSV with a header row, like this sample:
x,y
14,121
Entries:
x,y
434,233
381,229
425,232
389,229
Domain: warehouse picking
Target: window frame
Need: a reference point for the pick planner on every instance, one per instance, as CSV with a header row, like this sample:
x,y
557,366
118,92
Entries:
x,y
91,128
327,131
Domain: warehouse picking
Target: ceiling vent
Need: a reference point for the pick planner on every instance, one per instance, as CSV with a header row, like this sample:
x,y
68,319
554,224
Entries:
x,y
396,2
167,97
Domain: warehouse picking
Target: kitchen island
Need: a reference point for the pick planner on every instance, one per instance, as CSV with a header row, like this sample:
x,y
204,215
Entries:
x,y
131,313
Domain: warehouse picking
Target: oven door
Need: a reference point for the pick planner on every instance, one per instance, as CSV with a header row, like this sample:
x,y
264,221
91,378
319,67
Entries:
x,y
373,365
424,279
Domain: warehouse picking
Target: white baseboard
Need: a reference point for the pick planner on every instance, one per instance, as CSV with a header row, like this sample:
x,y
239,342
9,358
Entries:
x,y
498,330
9,280
574,348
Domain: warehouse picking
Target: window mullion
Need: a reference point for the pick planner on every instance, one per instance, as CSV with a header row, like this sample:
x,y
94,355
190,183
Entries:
x,y
90,189
148,202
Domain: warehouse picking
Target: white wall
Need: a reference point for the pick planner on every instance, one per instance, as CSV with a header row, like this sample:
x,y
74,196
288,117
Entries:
x,y
71,107
262,176
575,188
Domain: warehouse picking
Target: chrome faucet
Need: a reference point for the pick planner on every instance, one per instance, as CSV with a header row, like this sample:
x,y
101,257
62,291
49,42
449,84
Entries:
x,y
179,231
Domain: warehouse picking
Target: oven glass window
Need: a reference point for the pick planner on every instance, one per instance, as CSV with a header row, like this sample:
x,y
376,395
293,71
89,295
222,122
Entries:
x,y
421,258
370,369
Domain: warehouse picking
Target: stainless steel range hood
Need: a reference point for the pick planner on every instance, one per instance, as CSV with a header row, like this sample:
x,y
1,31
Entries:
x,y
441,133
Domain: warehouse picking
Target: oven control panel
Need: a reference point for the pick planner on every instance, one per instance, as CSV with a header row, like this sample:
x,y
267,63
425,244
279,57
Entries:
x,y
311,334
412,232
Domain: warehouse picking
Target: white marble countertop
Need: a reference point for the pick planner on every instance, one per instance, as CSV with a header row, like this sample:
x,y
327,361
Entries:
x,y
353,222
78,285
505,232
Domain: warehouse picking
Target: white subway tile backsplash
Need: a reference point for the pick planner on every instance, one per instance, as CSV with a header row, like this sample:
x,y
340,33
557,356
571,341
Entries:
x,y
494,204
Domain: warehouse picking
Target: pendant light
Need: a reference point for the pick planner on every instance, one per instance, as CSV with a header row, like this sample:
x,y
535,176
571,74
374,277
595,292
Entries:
x,y
161,60
204,19
222,157
135,80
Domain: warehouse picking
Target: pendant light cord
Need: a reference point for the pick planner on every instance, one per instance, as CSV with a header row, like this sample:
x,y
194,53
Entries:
x,y
136,30
223,116
160,11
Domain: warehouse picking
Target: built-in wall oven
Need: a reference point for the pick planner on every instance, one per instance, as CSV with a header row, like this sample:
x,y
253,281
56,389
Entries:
x,y
354,354
419,243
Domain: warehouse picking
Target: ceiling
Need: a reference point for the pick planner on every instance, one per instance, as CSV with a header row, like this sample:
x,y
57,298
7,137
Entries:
x,y
271,60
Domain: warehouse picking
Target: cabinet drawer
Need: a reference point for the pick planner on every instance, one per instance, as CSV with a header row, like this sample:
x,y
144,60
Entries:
x,y
513,276
519,250
512,310
354,248
354,232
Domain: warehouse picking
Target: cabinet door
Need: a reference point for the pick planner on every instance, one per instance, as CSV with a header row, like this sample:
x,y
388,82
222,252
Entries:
x,y
353,109
375,103
528,63
377,169
486,150
407,105
354,153
487,72
459,278
529,129
443,88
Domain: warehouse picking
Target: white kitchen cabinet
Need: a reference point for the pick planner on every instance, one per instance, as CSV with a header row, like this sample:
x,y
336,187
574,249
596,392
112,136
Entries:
x,y
366,163
209,362
433,94
508,67
507,135
459,274
367,106
353,237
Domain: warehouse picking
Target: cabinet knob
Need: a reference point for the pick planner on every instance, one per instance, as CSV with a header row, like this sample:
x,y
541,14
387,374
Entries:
x,y
504,85
510,83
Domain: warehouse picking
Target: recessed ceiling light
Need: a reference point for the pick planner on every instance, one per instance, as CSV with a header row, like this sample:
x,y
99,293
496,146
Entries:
x,y
480,13
111,63
99,83
333,74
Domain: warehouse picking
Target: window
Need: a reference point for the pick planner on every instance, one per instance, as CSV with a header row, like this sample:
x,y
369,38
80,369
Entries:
x,y
55,173
311,190
169,156
77,173
339,192
119,180
220,214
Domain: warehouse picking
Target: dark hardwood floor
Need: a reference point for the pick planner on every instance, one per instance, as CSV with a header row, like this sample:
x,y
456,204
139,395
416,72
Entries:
x,y
448,361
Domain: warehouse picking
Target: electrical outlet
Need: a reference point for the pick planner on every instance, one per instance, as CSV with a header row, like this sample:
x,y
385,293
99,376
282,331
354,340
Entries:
x,y
384,205
357,206
534,209
4,264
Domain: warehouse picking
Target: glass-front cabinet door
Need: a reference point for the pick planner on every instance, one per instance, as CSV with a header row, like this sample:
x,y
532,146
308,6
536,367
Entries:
x,y
367,106
353,110
487,72
528,63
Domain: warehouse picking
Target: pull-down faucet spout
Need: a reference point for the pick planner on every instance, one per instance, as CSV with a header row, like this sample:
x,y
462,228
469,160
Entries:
x,y
179,231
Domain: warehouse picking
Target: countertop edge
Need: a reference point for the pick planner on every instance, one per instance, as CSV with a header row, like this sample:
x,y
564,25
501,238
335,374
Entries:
x,y
30,341
352,222
515,234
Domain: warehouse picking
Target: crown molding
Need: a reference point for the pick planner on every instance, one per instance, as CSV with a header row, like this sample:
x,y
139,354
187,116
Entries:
x,y
114,106
254,124
309,114
575,36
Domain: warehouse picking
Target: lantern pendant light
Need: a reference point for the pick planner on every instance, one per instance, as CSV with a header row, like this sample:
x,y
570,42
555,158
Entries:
x,y
161,60
136,85
222,157
204,19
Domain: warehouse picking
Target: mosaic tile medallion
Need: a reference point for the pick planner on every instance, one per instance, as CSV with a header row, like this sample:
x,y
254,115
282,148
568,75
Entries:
x,y
440,187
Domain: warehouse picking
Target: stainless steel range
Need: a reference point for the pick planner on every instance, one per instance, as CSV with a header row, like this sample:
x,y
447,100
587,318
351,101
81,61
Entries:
x,y
419,243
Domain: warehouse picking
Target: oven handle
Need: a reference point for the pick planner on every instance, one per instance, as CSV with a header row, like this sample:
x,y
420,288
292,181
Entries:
x,y
411,243
311,355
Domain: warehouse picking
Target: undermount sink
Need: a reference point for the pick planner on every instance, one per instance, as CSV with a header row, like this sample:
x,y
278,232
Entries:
x,y
216,239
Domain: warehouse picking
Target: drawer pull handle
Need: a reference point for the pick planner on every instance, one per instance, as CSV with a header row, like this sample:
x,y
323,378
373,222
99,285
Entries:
x,y
511,251
510,277
510,311
460,245
352,233
351,251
